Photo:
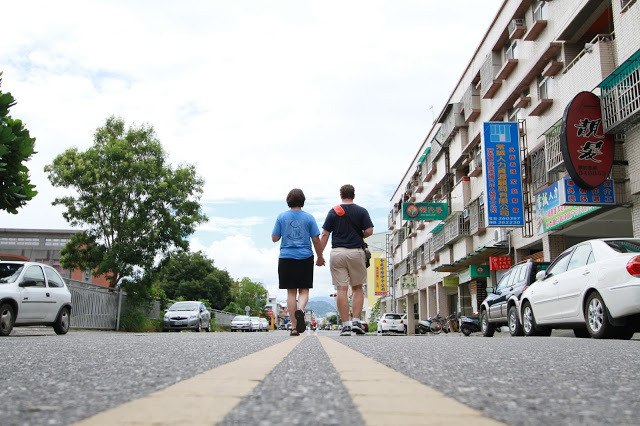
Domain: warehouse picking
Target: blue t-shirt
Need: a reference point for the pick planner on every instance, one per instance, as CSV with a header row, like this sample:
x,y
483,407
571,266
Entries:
x,y
296,228
343,234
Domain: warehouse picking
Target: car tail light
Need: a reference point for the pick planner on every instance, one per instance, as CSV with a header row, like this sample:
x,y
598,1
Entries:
x,y
633,266
384,321
401,321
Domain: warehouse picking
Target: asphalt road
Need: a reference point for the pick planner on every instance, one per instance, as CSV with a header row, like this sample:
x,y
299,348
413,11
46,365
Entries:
x,y
58,380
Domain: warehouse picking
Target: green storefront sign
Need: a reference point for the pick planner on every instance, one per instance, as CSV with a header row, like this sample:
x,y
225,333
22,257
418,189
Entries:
x,y
424,211
479,271
450,281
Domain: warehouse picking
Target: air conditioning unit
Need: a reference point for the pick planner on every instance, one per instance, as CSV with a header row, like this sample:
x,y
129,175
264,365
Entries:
x,y
500,236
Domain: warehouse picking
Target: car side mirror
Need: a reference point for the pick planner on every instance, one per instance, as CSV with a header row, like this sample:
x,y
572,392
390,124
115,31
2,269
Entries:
x,y
540,275
491,290
28,283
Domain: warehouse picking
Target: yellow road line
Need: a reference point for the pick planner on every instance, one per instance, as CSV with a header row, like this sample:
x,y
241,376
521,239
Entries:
x,y
203,399
383,396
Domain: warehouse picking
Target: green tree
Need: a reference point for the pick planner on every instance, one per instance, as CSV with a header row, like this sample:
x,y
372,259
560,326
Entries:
x,y
132,204
248,293
16,148
333,319
234,308
193,276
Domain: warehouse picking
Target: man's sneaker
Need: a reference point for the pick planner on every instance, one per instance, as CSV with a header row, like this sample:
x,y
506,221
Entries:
x,y
346,331
356,328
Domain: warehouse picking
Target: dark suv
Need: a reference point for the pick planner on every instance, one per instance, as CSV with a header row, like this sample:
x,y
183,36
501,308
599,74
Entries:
x,y
499,308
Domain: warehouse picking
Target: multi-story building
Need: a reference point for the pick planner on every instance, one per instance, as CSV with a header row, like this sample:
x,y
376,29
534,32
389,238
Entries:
x,y
532,62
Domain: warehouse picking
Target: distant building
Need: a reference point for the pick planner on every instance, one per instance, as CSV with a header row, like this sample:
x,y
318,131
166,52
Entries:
x,y
43,245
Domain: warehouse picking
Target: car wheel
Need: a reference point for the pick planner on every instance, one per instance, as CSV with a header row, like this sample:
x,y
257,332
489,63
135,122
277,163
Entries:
x,y
465,329
581,332
486,327
596,318
6,319
61,326
208,329
515,328
529,323
199,328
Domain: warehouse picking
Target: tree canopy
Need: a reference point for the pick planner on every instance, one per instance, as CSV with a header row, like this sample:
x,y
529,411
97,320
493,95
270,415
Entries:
x,y
248,293
193,276
132,204
16,148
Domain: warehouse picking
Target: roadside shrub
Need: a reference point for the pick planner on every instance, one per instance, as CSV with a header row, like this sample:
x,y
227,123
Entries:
x,y
373,327
135,321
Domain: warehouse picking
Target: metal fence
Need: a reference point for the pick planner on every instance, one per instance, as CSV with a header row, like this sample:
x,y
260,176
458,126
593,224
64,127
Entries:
x,y
97,307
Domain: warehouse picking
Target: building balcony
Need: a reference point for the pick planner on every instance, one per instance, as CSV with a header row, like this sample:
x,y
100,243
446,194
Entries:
x,y
536,29
517,28
471,103
455,227
620,102
552,68
507,69
522,102
541,107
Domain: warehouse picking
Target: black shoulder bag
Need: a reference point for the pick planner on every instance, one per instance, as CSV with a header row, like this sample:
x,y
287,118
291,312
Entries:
x,y
365,247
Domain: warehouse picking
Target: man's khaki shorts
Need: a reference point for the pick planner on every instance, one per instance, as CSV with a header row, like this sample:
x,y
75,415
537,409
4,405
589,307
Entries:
x,y
348,267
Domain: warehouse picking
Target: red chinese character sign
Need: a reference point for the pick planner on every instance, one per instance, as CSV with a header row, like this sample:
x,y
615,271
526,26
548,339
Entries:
x,y
499,263
587,151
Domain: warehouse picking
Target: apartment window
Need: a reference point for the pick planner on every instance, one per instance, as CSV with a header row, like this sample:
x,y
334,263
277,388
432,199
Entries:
x,y
513,115
511,49
544,87
539,10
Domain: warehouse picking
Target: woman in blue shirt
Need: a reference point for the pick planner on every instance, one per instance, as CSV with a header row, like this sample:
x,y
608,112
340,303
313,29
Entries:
x,y
298,230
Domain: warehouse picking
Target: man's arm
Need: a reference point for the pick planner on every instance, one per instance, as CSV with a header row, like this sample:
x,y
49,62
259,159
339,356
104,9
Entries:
x,y
367,232
324,238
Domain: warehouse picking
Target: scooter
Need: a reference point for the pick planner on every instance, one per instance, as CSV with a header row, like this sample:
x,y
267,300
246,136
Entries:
x,y
469,325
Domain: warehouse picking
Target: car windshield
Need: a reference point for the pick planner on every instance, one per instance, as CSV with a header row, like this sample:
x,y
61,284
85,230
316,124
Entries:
x,y
241,318
9,272
184,306
624,246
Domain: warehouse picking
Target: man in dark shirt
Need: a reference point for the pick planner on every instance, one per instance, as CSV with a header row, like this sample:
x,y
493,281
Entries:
x,y
347,262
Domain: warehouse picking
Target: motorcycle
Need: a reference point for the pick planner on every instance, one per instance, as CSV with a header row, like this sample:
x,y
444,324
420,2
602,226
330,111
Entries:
x,y
469,325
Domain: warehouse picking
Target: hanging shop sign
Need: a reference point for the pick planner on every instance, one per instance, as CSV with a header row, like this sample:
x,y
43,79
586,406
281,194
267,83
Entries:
x,y
498,263
571,194
424,211
464,276
503,176
551,214
409,282
479,271
450,281
380,271
587,151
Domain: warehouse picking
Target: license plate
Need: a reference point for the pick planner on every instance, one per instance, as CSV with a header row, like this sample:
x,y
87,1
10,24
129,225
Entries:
x,y
180,322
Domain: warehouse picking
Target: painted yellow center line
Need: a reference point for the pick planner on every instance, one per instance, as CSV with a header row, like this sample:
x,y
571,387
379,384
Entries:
x,y
383,396
203,399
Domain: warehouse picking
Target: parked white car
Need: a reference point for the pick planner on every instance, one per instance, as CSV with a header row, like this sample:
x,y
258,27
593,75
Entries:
x,y
592,288
255,324
265,324
33,294
390,322
241,323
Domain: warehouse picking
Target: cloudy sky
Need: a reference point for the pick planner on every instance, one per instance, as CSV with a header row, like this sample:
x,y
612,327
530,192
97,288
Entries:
x,y
261,96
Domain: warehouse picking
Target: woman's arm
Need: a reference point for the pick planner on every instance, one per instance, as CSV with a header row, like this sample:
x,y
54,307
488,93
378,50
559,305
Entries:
x,y
275,238
319,249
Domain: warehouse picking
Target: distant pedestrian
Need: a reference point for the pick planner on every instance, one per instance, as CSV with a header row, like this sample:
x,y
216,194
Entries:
x,y
348,224
298,230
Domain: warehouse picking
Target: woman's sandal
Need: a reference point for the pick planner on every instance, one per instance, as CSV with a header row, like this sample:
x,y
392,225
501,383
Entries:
x,y
294,334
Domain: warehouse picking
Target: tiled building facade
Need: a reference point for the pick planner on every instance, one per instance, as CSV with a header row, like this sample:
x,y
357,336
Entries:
x,y
534,59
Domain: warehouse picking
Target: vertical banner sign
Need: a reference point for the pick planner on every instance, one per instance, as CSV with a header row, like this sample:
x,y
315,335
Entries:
x,y
380,269
503,177
587,151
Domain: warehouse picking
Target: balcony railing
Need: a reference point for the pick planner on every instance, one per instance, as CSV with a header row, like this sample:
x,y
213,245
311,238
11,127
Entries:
x,y
454,120
471,103
437,143
488,73
391,219
437,241
620,101
553,155
455,227
476,217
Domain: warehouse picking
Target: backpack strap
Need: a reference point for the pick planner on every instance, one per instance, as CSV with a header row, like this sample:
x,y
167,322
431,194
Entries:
x,y
340,212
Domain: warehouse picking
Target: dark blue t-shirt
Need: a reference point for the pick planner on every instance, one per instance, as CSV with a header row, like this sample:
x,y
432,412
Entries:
x,y
343,234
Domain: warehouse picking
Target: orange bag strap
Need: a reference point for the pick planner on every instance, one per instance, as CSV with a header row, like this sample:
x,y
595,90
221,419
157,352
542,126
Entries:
x,y
339,210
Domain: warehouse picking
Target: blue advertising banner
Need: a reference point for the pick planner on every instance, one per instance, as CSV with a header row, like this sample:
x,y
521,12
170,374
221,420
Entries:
x,y
550,213
503,177
573,195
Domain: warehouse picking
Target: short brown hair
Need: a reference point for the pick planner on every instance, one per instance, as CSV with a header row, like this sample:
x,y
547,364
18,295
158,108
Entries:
x,y
295,198
347,192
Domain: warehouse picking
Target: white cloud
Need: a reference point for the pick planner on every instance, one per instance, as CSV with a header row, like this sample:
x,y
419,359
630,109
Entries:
x,y
260,96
